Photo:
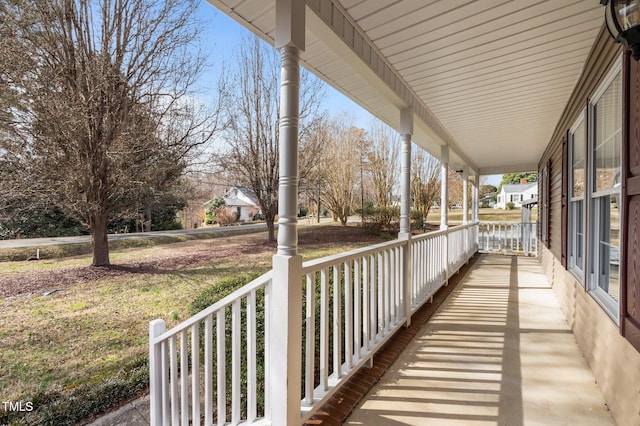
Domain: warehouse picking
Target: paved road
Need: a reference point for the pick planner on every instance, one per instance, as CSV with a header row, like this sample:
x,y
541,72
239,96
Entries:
x,y
37,242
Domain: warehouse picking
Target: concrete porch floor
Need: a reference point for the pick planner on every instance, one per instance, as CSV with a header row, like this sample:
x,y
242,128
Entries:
x,y
497,352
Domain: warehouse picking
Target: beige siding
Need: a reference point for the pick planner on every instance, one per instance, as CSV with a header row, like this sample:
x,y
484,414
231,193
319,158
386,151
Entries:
x,y
555,201
614,361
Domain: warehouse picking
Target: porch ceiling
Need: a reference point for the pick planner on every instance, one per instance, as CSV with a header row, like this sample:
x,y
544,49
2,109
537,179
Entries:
x,y
488,78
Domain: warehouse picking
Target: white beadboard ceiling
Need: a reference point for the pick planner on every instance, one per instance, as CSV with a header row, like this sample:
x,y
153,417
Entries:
x,y
487,78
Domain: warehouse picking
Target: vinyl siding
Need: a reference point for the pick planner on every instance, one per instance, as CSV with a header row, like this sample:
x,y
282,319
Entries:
x,y
614,361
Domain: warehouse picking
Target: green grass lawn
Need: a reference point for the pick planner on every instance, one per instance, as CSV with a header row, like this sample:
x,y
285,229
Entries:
x,y
88,333
485,215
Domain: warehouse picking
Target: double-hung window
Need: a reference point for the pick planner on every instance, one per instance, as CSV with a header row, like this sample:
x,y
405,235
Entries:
x,y
605,152
576,242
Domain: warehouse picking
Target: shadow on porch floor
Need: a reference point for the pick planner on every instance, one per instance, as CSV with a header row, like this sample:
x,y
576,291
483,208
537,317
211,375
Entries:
x,y
497,352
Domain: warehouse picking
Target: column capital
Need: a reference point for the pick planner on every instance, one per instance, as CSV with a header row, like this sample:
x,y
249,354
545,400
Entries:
x,y
406,121
290,23
444,154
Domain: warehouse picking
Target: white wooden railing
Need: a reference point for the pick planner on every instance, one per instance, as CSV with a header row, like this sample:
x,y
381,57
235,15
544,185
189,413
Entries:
x,y
353,303
509,238
437,255
187,381
347,322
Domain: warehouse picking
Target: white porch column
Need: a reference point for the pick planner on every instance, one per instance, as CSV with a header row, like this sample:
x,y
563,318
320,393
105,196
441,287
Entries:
x,y
444,183
465,196
476,198
406,130
285,332
444,206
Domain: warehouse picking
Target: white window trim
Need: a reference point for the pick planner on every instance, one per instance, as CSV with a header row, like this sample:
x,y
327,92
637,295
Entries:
x,y
609,305
574,268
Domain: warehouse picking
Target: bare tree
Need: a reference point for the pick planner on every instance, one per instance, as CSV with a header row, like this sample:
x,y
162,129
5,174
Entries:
x,y
455,191
98,117
425,181
253,116
312,162
384,170
341,179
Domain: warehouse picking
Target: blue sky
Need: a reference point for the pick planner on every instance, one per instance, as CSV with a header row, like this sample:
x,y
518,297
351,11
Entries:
x,y
222,37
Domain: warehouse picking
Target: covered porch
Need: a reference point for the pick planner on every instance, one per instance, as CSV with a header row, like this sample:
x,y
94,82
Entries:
x,y
479,85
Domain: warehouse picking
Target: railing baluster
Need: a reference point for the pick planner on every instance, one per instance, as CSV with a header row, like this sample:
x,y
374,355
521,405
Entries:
x,y
393,285
365,303
357,309
424,259
373,300
387,290
310,335
433,260
165,385
337,321
324,329
251,357
415,273
221,407
267,351
427,259
184,378
415,268
195,373
236,360
348,315
208,371
380,289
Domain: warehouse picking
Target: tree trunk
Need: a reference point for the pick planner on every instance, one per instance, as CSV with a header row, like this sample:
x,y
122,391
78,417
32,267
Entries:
x,y
271,228
100,242
147,222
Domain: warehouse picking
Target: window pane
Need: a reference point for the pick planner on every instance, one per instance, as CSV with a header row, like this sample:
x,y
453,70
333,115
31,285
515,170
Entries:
x,y
576,246
608,245
608,136
604,177
577,160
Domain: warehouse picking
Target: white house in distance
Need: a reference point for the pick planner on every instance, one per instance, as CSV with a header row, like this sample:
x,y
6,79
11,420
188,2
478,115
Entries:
x,y
244,201
516,194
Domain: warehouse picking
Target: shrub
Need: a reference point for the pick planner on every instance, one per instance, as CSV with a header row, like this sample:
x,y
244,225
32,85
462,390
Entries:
x,y
376,219
417,219
510,205
68,408
212,207
218,291
225,216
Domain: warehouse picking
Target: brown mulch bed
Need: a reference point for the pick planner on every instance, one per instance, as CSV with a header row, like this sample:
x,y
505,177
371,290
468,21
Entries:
x,y
170,258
